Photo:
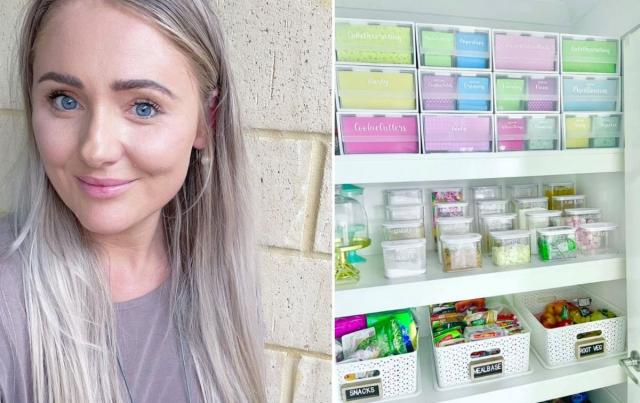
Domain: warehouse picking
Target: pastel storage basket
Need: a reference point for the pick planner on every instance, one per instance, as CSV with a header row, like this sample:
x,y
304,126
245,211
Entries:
x,y
453,362
363,88
525,51
397,373
379,134
590,93
456,133
557,347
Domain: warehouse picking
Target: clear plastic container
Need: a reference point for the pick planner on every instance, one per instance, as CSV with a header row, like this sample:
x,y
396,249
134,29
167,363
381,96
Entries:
x,y
450,209
527,93
568,202
541,219
527,132
559,189
522,206
404,258
369,88
595,238
399,230
450,91
451,47
592,130
557,243
403,197
510,247
453,226
523,190
442,195
574,217
590,93
461,252
491,207
495,222
486,192
408,212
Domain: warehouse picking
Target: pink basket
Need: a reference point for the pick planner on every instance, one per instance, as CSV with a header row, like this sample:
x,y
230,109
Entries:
x,y
379,134
439,93
457,133
523,52
512,126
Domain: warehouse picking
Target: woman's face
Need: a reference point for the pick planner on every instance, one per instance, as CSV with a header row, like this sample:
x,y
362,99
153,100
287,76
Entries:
x,y
115,114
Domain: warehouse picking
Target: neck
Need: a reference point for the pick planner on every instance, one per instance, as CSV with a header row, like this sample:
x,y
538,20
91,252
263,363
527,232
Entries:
x,y
135,259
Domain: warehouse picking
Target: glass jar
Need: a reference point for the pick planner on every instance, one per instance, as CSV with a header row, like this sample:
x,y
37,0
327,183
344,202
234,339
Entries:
x,y
404,258
595,238
398,230
495,222
558,189
557,243
541,219
510,248
568,202
522,206
574,217
452,226
461,252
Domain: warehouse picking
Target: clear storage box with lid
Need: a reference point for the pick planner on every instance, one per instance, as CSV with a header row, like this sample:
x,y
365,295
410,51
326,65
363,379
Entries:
x,y
596,238
516,93
557,243
404,258
453,47
492,192
574,217
406,229
521,206
374,42
402,197
566,202
592,130
461,252
523,190
408,212
495,222
558,189
452,226
527,132
491,207
541,219
510,248
590,54
442,91
379,89
449,209
378,133
590,93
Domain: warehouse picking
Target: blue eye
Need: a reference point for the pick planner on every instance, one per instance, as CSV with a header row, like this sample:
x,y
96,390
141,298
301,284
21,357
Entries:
x,y
145,109
65,102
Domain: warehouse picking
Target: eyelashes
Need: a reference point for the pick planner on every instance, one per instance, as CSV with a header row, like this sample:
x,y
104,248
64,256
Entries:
x,y
142,108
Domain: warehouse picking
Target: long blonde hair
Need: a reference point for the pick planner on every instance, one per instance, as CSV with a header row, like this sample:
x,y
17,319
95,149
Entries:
x,y
214,295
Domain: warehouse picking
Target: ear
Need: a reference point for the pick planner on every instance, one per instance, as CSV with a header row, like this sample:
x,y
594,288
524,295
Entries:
x,y
211,107
201,139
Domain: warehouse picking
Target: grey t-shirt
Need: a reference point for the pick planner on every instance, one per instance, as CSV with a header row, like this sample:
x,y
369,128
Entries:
x,y
148,344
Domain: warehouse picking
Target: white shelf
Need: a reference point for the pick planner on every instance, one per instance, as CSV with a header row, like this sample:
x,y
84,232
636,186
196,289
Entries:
x,y
539,385
375,293
396,168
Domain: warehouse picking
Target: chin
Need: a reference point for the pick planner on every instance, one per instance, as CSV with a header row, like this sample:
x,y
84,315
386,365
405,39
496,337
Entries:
x,y
105,221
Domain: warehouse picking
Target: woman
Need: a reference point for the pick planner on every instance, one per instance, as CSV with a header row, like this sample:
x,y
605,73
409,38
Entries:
x,y
128,273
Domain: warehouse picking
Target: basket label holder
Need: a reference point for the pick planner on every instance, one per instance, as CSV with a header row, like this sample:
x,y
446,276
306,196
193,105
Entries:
x,y
364,391
590,347
487,368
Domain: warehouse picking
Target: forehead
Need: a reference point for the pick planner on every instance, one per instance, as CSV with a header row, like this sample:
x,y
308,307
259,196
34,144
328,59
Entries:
x,y
102,41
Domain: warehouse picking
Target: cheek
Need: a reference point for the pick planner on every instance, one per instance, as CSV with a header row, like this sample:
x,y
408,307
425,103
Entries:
x,y
56,139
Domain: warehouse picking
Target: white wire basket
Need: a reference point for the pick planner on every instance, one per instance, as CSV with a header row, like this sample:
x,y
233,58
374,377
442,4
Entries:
x,y
571,344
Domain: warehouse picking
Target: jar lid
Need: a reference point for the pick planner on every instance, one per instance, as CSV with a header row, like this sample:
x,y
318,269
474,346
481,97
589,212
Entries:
x,y
492,201
543,213
404,243
403,224
532,200
451,204
498,216
569,197
582,210
461,238
511,234
598,226
455,220
562,230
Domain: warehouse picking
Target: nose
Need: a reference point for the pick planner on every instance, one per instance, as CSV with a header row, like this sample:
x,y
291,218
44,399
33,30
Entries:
x,y
101,145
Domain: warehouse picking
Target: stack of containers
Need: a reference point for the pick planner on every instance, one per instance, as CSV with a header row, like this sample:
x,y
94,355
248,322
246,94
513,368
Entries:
x,y
404,246
591,87
455,80
376,87
526,90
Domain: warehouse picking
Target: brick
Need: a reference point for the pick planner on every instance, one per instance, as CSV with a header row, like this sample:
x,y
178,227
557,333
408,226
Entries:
x,y
279,372
313,381
281,174
324,227
296,294
12,139
281,55
10,14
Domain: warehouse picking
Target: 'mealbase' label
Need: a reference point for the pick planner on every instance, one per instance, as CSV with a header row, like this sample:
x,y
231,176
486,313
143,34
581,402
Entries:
x,y
362,392
486,369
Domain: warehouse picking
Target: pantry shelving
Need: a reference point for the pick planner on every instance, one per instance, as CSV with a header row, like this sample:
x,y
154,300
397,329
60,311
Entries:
x,y
538,385
398,168
375,293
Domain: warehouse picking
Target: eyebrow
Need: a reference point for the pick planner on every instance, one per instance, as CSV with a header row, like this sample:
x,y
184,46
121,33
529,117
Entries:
x,y
119,85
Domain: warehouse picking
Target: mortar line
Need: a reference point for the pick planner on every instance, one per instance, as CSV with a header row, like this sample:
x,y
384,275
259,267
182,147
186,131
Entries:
x,y
324,138
314,193
285,349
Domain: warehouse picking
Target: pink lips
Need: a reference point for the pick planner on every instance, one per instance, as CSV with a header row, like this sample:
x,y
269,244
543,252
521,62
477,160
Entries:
x,y
104,188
